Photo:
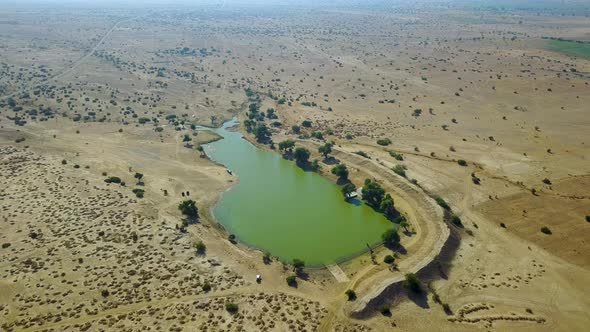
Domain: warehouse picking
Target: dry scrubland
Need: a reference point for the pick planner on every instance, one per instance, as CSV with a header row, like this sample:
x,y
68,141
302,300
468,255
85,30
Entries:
x,y
89,94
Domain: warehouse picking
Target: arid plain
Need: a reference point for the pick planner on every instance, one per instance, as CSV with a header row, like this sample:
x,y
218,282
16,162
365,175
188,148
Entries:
x,y
478,106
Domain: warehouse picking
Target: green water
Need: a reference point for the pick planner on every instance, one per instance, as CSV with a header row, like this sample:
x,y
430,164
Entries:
x,y
279,208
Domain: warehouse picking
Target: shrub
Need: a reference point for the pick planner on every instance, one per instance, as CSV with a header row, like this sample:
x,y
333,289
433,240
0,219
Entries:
x,y
64,162
447,308
503,225
384,141
105,293
399,170
440,201
232,308
456,220
547,181
546,230
588,218
201,248
385,310
306,123
396,156
292,281
232,238
138,192
363,154
412,283
351,295
389,259
113,179
462,162
317,135
206,287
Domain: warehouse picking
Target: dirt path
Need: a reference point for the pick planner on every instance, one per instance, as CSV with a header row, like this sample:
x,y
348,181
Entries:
x,y
423,246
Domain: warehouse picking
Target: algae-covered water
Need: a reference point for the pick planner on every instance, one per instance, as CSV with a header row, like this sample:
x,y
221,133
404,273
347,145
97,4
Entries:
x,y
279,208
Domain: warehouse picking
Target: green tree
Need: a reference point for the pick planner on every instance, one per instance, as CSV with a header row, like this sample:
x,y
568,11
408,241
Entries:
x,y
189,208
232,308
253,108
301,156
292,281
350,295
348,189
317,135
325,149
315,166
286,145
296,129
387,206
298,265
340,171
138,176
306,123
249,124
403,222
186,139
261,132
412,283
390,237
201,150
389,259
373,193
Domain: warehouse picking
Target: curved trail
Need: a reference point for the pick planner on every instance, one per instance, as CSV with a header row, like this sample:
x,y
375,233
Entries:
x,y
431,234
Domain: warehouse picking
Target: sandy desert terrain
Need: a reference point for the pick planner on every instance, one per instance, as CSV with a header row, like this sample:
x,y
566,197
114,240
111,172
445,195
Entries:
x,y
473,116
